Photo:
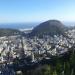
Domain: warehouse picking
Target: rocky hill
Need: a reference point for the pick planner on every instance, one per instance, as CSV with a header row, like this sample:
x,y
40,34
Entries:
x,y
51,27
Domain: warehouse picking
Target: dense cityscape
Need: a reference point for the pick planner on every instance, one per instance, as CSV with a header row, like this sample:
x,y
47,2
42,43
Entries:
x,y
37,37
35,49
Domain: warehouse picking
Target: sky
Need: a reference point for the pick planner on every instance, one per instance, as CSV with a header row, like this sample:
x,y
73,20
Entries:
x,y
13,11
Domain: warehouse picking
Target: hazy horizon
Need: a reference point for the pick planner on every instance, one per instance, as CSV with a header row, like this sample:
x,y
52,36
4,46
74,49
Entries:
x,y
28,25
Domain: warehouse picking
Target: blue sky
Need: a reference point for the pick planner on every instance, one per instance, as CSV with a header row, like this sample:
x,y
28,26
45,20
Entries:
x,y
12,11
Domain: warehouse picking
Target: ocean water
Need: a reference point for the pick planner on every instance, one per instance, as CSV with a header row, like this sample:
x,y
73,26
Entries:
x,y
28,25
19,25
69,23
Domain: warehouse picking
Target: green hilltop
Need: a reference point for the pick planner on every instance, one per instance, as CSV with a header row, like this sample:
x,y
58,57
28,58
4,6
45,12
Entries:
x,y
51,27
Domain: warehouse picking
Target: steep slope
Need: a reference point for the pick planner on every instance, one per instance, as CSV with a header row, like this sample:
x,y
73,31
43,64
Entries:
x,y
51,27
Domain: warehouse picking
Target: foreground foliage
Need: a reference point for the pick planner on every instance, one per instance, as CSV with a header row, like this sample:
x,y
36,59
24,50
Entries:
x,y
63,65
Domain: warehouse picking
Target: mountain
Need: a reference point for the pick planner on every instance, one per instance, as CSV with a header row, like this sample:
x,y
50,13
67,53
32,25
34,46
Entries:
x,y
8,32
50,27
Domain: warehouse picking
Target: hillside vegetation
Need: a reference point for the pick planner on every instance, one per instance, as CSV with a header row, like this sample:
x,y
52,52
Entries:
x,y
51,27
8,32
